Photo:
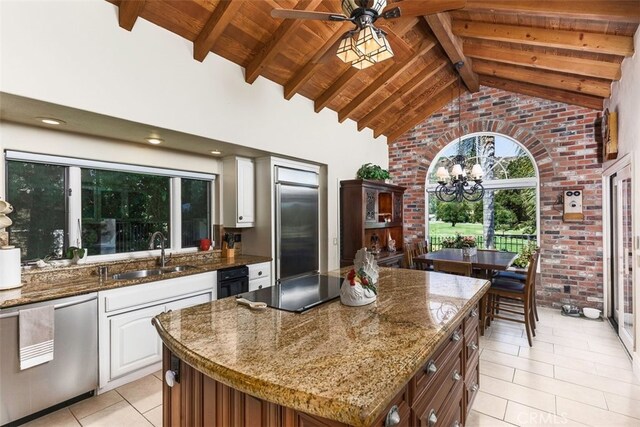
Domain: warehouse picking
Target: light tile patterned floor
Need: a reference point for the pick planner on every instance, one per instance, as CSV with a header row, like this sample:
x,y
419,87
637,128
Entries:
x,y
576,374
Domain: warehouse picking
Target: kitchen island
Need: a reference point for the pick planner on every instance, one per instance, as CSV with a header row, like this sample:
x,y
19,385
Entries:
x,y
409,358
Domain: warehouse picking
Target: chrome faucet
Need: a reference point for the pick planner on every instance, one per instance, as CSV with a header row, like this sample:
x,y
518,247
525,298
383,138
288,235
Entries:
x,y
162,242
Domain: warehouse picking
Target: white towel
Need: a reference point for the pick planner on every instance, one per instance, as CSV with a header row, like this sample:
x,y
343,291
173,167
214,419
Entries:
x,y
36,328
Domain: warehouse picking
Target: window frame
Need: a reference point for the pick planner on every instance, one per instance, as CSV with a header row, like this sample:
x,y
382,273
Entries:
x,y
73,199
494,184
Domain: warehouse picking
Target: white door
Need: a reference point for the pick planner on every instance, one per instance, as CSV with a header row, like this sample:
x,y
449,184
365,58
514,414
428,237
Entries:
x,y
246,190
623,253
135,343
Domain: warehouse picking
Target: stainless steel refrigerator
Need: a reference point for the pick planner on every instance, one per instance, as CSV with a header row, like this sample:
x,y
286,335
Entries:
x,y
297,223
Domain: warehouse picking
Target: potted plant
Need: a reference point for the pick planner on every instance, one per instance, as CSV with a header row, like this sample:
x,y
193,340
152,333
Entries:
x,y
374,172
76,255
522,261
467,244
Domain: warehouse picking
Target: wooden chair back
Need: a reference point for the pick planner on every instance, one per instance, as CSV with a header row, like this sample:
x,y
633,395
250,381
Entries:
x,y
461,268
421,248
409,253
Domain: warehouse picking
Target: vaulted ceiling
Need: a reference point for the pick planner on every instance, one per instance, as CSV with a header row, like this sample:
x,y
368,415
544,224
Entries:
x,y
562,50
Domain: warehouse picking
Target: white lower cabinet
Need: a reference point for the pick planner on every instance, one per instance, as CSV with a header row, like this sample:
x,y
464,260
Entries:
x,y
129,346
259,276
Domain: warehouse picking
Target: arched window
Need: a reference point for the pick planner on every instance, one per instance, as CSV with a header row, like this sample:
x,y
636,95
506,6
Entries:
x,y
507,216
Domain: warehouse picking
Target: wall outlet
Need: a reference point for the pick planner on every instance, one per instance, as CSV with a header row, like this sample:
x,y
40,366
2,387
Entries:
x,y
567,289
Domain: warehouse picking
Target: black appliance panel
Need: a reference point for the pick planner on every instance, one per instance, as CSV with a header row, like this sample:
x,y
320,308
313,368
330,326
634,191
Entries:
x,y
233,281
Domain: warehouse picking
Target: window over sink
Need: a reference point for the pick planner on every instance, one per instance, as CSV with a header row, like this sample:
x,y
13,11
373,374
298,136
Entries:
x,y
107,208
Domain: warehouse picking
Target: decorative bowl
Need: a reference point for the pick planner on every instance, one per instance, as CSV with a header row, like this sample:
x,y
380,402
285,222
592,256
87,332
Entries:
x,y
591,313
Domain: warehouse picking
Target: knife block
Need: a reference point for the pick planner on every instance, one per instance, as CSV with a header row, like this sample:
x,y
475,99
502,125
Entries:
x,y
227,252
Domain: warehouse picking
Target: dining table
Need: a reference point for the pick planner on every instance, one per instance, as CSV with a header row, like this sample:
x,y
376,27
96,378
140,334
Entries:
x,y
487,260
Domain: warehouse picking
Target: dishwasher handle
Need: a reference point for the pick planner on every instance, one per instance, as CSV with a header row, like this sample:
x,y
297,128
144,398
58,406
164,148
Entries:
x,y
15,312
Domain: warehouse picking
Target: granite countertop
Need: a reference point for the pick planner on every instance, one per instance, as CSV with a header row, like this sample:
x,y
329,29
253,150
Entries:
x,y
49,284
337,362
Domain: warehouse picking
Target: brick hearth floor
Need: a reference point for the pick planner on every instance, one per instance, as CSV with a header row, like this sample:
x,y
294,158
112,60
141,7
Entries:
x,y
577,373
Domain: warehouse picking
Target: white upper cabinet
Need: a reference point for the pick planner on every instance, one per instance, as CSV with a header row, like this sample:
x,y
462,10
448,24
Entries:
x,y
239,192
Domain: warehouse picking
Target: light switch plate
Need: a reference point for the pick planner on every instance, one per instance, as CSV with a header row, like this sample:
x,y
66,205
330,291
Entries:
x,y
573,205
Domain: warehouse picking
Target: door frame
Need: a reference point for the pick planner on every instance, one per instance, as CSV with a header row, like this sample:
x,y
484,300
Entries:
x,y
613,169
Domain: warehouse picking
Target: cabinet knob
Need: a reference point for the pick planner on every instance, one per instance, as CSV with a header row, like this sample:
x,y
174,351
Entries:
x,y
260,287
455,337
432,419
240,218
170,378
475,388
456,376
259,273
431,367
393,417
473,346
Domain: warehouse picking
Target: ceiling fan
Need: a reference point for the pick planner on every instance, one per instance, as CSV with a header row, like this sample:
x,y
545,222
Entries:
x,y
366,44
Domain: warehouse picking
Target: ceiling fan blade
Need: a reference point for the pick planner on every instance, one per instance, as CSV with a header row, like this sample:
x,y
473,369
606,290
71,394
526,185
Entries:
x,y
422,7
301,14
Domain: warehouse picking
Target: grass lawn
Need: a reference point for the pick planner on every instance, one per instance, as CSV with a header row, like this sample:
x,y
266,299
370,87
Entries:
x,y
439,228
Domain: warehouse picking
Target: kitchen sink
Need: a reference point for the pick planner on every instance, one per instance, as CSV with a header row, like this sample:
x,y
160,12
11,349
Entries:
x,y
140,274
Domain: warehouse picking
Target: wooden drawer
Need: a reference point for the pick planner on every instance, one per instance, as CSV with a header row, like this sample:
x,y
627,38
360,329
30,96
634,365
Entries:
x,y
447,412
471,350
433,369
471,387
471,320
439,391
398,409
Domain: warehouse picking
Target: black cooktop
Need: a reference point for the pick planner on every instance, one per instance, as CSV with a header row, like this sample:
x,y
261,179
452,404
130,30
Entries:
x,y
298,294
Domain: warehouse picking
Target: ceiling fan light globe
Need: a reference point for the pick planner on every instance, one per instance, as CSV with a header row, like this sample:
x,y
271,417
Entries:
x,y
348,6
364,62
347,51
368,41
385,52
378,5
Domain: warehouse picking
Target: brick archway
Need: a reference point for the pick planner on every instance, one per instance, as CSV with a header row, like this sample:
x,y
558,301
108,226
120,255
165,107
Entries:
x,y
537,149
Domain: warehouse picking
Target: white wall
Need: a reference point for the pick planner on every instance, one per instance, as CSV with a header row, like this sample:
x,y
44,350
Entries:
x,y
625,99
74,54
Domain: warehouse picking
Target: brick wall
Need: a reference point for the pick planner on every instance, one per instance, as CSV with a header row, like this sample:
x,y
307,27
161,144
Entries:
x,y
562,140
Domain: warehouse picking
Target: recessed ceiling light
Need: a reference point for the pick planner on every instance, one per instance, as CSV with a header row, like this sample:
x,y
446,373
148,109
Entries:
x,y
154,141
216,152
51,121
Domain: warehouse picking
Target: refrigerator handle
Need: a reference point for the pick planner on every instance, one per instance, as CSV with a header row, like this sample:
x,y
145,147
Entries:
x,y
278,230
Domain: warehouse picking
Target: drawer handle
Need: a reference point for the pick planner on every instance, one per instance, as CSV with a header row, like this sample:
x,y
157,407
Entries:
x,y
431,368
260,287
456,424
393,417
170,378
475,388
433,418
259,273
455,337
474,312
473,346
456,376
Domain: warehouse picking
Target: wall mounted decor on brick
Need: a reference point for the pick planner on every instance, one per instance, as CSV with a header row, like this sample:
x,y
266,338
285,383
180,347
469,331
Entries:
x,y
562,140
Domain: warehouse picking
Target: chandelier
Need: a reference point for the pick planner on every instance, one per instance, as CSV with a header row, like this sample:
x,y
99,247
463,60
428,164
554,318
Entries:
x,y
366,45
456,186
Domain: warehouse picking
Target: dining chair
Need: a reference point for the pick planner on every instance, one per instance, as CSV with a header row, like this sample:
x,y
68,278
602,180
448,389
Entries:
x,y
409,254
421,248
509,297
461,268
520,275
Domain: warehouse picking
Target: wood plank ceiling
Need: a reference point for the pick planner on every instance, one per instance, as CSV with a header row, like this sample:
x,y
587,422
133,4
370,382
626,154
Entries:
x,y
562,50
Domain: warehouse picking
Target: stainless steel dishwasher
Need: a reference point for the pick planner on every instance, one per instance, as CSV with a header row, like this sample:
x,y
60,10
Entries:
x,y
73,370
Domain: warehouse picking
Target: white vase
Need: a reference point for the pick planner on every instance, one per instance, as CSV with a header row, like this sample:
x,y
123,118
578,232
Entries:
x,y
78,260
356,295
468,252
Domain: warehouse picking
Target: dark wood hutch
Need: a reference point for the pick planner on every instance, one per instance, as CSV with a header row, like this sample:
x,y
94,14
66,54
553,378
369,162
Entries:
x,y
370,209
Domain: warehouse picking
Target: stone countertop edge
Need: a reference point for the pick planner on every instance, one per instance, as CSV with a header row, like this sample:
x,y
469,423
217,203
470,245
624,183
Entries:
x,y
310,403
47,290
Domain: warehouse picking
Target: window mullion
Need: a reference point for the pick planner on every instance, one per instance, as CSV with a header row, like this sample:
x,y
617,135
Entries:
x,y
175,218
74,205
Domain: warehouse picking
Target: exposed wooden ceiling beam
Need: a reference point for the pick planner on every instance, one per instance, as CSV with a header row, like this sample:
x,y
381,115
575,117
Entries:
x,y
588,85
563,39
619,11
416,103
416,82
215,26
128,12
277,42
545,61
305,73
445,96
440,24
332,91
567,97
384,79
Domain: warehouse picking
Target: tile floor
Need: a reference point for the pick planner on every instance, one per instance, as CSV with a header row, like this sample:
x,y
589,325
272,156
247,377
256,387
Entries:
x,y
576,374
